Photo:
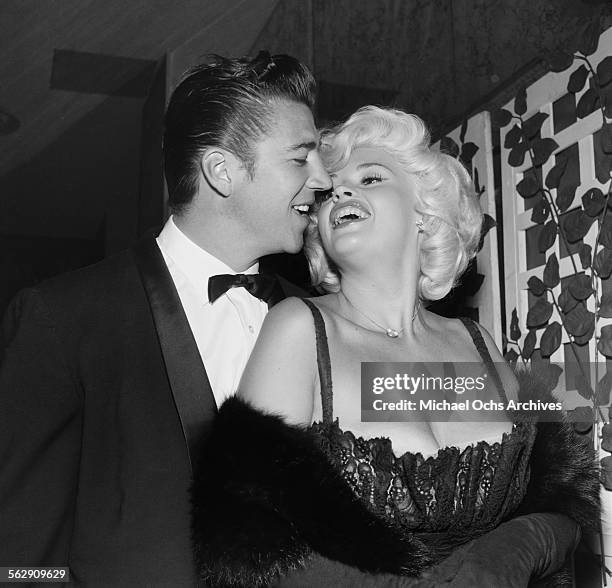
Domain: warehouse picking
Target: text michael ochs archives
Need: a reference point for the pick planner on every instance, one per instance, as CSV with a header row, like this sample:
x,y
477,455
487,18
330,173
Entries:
x,y
440,392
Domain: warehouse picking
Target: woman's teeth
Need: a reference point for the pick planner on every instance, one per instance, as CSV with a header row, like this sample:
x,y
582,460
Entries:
x,y
347,214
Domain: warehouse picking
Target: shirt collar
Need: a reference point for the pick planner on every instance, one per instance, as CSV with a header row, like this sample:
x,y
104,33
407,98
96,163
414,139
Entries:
x,y
195,263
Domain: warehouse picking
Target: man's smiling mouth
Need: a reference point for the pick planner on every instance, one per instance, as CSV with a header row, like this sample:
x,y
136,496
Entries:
x,y
303,209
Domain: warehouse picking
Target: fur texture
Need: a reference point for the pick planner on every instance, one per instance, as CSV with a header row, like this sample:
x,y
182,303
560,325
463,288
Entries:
x,y
277,498
564,474
267,497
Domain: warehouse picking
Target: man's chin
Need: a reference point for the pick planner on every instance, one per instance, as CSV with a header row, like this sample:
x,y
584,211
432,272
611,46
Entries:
x,y
295,244
295,248
291,247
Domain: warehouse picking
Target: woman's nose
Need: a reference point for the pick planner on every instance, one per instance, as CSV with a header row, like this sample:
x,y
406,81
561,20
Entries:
x,y
342,192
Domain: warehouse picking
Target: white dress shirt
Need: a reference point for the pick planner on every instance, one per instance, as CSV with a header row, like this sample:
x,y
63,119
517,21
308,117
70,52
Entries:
x,y
226,330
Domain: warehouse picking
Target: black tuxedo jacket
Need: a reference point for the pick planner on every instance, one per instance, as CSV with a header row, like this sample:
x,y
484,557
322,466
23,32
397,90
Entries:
x,y
103,399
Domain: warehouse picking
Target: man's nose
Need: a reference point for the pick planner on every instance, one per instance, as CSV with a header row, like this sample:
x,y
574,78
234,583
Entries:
x,y
319,178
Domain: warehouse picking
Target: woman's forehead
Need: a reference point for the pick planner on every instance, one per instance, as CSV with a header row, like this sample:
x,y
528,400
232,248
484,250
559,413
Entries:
x,y
366,156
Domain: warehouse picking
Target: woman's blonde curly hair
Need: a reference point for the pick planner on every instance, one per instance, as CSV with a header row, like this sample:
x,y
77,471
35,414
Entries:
x,y
445,197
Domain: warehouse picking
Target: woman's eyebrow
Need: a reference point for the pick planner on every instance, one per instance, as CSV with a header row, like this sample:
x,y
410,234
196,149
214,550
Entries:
x,y
362,165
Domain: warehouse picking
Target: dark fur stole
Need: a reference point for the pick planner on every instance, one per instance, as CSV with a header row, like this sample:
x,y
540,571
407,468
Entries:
x,y
564,475
267,496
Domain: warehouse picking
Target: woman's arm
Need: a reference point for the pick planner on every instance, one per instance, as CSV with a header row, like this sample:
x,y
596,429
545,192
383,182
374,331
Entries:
x,y
281,376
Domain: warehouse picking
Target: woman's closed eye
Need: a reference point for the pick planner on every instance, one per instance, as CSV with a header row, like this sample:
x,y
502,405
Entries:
x,y
371,179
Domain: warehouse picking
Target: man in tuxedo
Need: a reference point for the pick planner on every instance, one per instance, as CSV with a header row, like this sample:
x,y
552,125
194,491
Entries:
x,y
111,375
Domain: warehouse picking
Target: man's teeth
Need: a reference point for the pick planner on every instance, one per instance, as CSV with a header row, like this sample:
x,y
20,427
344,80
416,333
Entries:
x,y
347,214
302,208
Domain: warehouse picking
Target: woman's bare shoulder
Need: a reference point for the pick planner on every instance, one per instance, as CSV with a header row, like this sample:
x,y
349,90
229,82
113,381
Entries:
x,y
297,312
289,316
506,373
456,332
451,330
458,337
280,374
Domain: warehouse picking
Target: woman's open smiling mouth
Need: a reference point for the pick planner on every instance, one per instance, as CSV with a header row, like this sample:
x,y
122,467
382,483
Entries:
x,y
348,212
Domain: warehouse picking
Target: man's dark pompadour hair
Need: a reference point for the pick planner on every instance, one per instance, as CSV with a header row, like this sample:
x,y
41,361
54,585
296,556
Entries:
x,y
226,103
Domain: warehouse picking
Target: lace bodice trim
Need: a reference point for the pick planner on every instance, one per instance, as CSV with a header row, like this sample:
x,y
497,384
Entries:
x,y
456,490
461,492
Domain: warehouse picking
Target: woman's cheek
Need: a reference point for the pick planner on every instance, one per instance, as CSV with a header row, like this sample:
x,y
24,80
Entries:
x,y
323,224
322,214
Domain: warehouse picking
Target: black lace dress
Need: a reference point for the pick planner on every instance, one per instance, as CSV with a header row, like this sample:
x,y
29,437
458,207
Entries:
x,y
456,495
275,512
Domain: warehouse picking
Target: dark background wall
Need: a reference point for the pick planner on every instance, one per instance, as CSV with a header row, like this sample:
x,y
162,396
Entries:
x,y
437,58
82,94
87,80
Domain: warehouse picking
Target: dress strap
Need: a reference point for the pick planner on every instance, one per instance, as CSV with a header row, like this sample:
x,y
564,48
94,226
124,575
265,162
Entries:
x,y
323,363
482,348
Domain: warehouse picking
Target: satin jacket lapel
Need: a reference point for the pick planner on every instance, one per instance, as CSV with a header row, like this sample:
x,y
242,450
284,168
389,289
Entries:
x,y
187,375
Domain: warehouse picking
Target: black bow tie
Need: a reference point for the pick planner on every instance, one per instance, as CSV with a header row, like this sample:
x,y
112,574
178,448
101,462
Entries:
x,y
258,285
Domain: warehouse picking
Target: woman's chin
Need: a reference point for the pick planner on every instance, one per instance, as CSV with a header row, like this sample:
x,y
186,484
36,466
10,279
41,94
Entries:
x,y
353,249
346,243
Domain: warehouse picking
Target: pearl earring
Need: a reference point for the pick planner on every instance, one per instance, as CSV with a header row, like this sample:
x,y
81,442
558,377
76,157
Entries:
x,y
420,225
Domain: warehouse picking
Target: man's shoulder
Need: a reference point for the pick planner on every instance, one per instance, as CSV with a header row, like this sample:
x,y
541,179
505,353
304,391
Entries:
x,y
98,301
111,270
112,283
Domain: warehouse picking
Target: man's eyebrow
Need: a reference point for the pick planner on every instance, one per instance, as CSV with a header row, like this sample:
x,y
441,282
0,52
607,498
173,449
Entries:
x,y
309,145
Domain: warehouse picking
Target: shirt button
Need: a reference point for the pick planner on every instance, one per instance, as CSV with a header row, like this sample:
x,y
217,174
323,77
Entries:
x,y
251,329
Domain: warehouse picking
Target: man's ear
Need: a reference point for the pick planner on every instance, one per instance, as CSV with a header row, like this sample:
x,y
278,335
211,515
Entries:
x,y
221,170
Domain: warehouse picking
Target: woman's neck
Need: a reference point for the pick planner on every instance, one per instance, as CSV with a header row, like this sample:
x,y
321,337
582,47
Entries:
x,y
380,301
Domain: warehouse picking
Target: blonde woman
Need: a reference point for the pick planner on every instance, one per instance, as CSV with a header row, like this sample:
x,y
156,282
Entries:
x,y
398,229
